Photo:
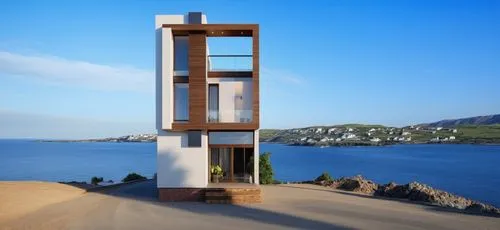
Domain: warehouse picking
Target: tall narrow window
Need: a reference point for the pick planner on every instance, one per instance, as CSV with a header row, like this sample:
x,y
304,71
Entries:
x,y
213,103
181,101
181,45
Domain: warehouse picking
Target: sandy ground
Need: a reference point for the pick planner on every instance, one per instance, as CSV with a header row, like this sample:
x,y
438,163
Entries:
x,y
18,198
134,206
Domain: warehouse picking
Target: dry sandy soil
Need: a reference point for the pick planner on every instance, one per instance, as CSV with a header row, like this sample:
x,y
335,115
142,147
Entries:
x,y
18,198
134,206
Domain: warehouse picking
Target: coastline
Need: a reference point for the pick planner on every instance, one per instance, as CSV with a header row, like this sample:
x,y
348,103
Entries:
x,y
346,144
380,145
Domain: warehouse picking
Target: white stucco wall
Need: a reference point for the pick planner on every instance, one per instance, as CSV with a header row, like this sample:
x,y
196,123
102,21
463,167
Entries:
x,y
167,78
164,69
256,157
178,165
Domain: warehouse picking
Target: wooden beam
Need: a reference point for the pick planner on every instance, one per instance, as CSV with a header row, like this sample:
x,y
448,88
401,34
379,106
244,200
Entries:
x,y
232,126
230,146
214,30
179,79
229,74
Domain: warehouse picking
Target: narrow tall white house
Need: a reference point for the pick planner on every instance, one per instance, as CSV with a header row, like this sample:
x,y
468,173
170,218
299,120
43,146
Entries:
x,y
207,107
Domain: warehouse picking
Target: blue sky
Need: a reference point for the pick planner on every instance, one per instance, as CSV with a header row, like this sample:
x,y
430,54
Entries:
x,y
86,69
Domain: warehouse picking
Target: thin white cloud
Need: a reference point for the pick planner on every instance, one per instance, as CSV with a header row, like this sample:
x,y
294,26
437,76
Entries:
x,y
32,125
59,70
73,72
283,76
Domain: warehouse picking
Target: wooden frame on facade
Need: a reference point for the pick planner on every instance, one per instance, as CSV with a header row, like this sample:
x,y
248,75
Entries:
x,y
231,74
198,74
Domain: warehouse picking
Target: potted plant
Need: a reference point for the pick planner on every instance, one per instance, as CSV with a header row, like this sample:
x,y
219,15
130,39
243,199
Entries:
x,y
216,172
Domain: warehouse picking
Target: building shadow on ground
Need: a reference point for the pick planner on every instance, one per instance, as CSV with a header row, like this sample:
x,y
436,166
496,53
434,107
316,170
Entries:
x,y
146,191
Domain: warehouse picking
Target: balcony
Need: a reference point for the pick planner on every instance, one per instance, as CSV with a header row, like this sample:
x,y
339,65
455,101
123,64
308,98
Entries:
x,y
230,101
230,116
230,63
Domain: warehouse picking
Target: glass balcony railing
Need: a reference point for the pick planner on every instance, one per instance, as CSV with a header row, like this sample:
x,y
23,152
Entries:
x,y
230,62
229,116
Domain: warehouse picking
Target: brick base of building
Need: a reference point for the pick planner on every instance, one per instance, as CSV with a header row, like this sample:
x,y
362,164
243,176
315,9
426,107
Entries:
x,y
181,194
212,195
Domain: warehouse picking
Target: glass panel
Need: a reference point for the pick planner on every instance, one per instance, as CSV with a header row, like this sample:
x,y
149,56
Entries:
x,y
230,53
181,50
230,63
181,101
213,103
194,138
243,166
222,157
230,138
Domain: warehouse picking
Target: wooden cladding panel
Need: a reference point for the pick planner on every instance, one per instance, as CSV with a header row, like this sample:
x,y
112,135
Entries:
x,y
255,77
197,79
215,126
233,126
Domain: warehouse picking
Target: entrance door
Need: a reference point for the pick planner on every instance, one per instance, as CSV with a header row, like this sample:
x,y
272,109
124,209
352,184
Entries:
x,y
243,164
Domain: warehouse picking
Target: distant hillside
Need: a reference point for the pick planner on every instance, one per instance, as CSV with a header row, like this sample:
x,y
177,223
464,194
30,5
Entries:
x,y
473,130
479,120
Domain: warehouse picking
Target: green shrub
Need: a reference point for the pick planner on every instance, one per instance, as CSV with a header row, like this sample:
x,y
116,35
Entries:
x,y
324,177
132,177
265,169
216,170
95,180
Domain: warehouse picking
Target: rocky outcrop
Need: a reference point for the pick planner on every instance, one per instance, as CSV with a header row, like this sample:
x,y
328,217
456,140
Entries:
x,y
420,192
355,184
477,207
393,190
414,191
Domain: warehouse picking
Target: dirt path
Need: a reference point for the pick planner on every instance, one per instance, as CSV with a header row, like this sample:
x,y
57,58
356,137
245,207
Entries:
x,y
289,206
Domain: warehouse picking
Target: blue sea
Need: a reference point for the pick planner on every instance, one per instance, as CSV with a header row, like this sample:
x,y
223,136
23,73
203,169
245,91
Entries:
x,y
469,170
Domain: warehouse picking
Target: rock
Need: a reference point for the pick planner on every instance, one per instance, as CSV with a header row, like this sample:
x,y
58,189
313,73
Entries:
x,y
355,184
323,183
393,190
422,192
477,208
413,191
